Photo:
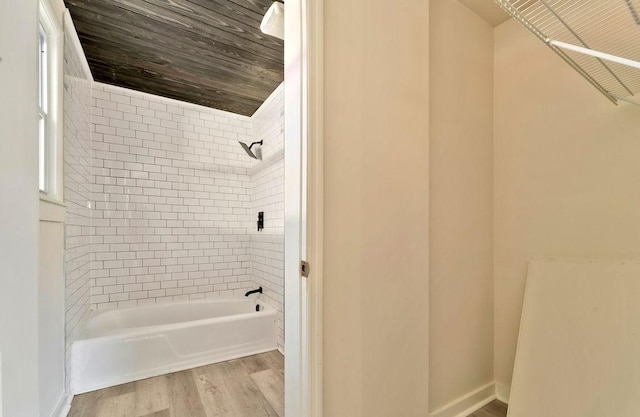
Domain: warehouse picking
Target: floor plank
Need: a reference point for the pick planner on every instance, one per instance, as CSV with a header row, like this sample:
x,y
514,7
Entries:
x,y
247,400
118,406
493,409
151,396
246,387
270,383
275,359
89,403
213,392
163,413
255,363
184,399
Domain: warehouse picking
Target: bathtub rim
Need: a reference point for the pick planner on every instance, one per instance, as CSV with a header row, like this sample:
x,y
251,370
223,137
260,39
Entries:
x,y
146,330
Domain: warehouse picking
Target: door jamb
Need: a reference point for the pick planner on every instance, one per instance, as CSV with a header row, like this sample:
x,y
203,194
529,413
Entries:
x,y
303,215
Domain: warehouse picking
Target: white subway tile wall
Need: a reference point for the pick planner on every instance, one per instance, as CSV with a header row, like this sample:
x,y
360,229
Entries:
x,y
172,200
267,195
77,191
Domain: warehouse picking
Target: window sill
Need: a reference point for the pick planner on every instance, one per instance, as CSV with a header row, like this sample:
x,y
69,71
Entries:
x,y
52,210
51,200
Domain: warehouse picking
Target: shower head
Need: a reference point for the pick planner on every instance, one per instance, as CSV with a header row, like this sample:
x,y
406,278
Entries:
x,y
248,150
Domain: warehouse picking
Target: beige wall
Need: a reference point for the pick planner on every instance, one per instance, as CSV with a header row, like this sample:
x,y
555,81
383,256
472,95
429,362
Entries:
x,y
566,174
376,208
461,211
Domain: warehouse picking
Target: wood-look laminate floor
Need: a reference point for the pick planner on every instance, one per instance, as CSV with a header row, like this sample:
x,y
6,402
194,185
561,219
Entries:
x,y
494,409
247,387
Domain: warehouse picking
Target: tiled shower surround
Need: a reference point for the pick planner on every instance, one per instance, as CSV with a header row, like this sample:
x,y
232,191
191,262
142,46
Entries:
x,y
172,200
267,195
176,201
78,181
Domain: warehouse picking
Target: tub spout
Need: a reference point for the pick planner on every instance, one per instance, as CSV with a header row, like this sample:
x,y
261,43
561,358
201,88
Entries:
x,y
248,293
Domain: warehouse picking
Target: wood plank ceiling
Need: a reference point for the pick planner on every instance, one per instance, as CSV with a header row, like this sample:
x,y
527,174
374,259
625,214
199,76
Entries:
x,y
207,52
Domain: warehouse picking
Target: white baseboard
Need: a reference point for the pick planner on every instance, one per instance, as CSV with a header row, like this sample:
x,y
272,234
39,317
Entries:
x,y
63,407
503,392
467,404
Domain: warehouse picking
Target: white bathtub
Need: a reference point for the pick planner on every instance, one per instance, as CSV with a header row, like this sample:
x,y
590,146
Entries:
x,y
118,346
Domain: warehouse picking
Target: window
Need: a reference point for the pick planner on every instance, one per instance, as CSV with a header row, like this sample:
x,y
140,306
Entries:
x,y
43,104
50,48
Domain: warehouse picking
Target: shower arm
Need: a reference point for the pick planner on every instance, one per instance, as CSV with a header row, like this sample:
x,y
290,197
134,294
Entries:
x,y
255,143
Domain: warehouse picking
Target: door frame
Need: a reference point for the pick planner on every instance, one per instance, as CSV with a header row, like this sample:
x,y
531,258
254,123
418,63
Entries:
x,y
303,207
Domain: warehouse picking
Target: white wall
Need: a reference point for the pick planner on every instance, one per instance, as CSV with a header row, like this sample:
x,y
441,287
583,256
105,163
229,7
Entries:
x,y
376,211
461,210
566,174
172,200
51,313
19,208
267,195
51,267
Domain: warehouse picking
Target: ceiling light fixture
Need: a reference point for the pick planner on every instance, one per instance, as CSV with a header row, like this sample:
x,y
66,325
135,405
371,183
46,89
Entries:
x,y
273,21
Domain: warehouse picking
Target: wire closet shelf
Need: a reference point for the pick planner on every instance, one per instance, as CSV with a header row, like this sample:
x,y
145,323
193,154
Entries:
x,y
600,39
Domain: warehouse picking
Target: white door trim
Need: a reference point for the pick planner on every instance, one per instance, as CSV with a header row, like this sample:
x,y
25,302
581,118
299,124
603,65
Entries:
x,y
315,202
303,207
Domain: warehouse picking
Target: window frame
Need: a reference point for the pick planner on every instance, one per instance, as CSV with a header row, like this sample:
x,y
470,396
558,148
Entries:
x,y
50,103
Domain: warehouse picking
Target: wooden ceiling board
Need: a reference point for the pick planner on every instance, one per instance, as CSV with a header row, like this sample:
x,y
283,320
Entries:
x,y
257,6
118,21
207,52
109,49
